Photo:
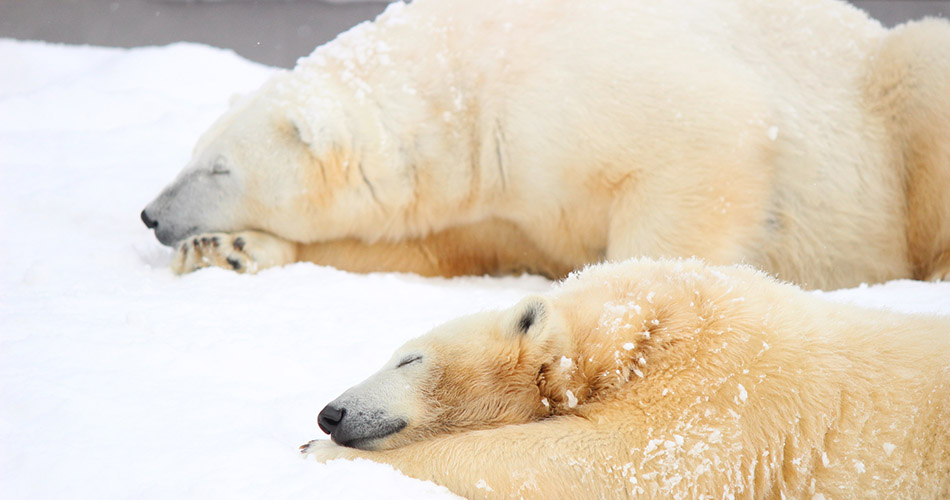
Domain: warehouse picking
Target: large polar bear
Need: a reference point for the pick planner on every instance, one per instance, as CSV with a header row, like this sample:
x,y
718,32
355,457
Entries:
x,y
663,379
456,137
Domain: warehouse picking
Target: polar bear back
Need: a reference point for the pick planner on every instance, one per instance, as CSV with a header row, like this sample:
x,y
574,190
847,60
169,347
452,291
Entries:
x,y
762,97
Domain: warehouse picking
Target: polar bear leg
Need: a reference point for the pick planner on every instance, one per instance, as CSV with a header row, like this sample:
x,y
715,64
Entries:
x,y
909,86
540,460
252,251
492,247
244,252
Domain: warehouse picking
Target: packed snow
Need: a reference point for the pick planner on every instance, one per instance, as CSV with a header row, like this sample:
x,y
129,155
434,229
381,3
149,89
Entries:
x,y
119,380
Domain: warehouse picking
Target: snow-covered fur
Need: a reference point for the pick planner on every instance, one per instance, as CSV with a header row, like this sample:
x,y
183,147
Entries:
x,y
663,379
455,137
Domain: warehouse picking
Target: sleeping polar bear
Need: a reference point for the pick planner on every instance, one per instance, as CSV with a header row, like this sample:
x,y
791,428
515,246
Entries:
x,y
454,137
662,380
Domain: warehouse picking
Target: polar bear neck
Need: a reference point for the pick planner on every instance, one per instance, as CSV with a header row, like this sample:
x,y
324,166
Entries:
x,y
663,329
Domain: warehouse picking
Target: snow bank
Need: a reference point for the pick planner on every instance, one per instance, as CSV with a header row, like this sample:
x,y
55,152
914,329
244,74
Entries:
x,y
118,380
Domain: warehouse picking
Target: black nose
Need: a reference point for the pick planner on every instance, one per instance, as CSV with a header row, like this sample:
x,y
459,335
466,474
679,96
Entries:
x,y
149,223
330,418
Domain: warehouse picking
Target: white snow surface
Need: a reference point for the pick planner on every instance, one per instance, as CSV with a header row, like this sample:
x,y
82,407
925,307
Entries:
x,y
119,380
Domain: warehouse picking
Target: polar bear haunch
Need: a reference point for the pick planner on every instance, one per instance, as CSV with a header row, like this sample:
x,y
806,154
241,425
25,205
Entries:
x,y
800,137
667,380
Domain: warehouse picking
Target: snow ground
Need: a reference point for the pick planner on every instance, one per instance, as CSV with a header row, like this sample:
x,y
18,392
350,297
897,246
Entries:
x,y
119,380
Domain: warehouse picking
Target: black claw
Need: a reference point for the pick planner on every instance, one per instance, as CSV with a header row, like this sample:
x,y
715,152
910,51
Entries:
x,y
215,241
195,242
206,241
239,243
235,264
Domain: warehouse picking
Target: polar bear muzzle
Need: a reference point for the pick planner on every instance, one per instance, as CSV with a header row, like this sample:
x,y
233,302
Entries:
x,y
357,427
201,199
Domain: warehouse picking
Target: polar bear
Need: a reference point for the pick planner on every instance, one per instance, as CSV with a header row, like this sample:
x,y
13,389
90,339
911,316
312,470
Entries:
x,y
451,137
662,379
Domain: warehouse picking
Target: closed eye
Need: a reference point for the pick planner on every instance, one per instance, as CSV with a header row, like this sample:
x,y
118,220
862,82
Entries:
x,y
220,167
412,358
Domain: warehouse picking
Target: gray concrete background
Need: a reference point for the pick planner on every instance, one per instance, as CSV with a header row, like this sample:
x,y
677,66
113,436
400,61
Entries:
x,y
274,32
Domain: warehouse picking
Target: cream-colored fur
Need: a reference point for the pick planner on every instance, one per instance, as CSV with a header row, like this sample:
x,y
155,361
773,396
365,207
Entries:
x,y
668,379
454,137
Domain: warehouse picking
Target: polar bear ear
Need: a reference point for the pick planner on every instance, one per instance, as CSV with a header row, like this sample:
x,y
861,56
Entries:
x,y
301,127
531,317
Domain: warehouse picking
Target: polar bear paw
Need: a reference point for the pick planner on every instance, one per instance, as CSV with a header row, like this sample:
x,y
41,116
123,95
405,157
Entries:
x,y
324,450
312,446
244,252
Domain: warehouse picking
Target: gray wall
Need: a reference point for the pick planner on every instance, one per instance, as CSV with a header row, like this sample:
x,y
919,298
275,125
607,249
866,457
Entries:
x,y
274,32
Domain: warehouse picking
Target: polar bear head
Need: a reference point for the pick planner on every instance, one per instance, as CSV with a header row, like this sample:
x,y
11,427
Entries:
x,y
476,372
282,160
